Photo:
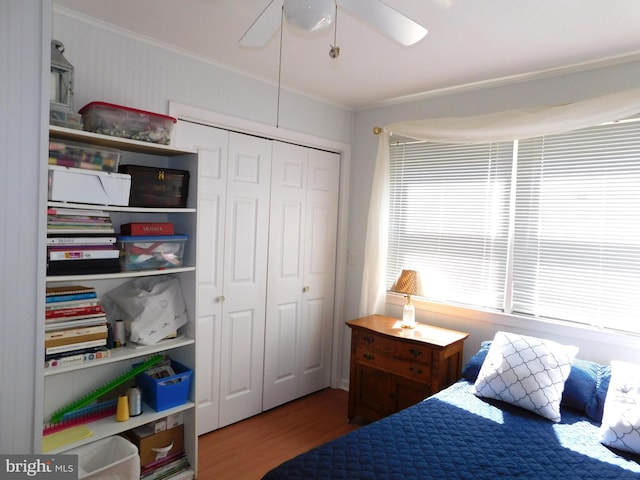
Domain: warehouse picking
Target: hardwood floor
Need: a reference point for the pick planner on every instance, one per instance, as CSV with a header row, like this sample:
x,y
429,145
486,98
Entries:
x,y
250,448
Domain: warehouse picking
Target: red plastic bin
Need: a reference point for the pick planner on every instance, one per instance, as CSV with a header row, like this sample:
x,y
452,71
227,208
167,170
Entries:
x,y
127,122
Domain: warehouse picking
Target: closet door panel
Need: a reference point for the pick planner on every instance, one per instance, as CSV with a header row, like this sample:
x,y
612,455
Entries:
x,y
212,146
245,277
313,348
286,332
290,267
211,200
208,238
285,276
242,255
319,262
236,353
208,381
303,229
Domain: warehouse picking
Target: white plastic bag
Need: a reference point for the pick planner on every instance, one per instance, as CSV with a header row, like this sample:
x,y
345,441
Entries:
x,y
151,307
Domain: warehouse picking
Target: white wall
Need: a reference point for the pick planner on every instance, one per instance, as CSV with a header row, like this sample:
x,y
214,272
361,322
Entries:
x,y
25,53
595,345
115,66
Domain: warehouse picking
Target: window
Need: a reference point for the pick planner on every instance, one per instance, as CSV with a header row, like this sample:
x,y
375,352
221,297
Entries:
x,y
449,218
561,239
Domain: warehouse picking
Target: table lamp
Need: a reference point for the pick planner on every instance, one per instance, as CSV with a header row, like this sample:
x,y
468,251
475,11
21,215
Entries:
x,y
408,283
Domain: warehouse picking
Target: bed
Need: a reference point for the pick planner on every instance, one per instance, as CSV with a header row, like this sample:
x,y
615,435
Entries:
x,y
459,434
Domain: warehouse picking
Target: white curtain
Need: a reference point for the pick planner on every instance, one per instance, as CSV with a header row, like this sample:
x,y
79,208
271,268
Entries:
x,y
492,127
373,294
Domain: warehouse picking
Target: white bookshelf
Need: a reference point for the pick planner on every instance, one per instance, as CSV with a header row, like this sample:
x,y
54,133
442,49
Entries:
x,y
64,384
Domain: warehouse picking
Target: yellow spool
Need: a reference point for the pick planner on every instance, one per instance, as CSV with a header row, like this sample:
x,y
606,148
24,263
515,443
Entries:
x,y
122,411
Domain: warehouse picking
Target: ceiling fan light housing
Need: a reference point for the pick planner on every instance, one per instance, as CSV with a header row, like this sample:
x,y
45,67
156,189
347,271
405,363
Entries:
x,y
309,15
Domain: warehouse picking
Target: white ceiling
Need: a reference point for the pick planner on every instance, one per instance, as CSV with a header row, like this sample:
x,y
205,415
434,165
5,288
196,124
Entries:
x,y
469,41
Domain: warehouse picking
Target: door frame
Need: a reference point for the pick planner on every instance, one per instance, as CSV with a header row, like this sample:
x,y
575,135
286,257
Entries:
x,y
241,125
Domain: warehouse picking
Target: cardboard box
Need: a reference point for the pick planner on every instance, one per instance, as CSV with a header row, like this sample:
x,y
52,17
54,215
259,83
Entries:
x,y
165,423
86,186
154,446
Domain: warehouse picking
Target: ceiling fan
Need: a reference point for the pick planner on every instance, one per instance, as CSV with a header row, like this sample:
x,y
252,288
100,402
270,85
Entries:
x,y
313,15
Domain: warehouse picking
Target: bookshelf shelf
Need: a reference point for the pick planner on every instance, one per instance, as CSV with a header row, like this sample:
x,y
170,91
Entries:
x,y
107,427
116,276
65,384
116,142
114,208
125,353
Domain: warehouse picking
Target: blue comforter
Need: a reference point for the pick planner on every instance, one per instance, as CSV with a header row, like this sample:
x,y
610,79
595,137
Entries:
x,y
455,435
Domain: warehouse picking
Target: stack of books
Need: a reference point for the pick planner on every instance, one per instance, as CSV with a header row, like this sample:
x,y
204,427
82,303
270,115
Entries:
x,y
75,325
80,242
72,220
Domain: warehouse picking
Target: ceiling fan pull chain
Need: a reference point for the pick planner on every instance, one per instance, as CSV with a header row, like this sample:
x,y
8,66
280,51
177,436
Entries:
x,y
334,51
279,67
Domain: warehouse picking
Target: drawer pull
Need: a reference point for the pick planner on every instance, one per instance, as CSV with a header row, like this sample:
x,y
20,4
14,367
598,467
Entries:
x,y
416,370
415,353
368,339
368,356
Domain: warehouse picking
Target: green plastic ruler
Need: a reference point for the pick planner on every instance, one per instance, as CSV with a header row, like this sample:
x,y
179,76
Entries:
x,y
107,387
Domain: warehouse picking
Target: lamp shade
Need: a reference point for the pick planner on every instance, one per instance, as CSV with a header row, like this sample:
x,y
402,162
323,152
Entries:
x,y
408,283
309,15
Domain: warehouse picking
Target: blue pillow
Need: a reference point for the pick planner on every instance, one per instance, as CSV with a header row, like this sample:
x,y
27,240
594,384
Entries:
x,y
595,405
585,389
472,368
580,387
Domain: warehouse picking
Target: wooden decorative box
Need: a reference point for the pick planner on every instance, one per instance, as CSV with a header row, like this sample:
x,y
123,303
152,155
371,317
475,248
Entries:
x,y
157,187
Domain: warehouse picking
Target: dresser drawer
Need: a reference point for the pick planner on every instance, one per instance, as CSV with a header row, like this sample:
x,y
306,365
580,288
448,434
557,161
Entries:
x,y
415,352
392,364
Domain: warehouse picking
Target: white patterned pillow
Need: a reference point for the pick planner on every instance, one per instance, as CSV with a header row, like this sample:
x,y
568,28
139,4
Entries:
x,y
526,371
621,418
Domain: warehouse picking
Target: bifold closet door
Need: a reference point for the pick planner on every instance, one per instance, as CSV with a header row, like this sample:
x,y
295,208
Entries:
x,y
245,277
233,210
302,255
211,185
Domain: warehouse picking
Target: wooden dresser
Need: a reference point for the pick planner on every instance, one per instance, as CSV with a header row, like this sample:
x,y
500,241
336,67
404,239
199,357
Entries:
x,y
394,367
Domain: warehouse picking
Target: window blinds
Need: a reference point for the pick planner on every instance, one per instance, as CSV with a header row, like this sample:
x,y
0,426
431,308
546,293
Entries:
x,y
448,218
577,226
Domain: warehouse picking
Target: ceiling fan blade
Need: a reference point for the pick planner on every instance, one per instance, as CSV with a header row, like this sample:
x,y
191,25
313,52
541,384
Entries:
x,y
264,27
386,19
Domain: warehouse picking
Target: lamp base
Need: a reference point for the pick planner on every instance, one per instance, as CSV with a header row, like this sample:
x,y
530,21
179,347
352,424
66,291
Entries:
x,y
409,316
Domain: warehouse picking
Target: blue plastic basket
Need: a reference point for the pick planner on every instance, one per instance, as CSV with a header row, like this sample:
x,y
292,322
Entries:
x,y
163,393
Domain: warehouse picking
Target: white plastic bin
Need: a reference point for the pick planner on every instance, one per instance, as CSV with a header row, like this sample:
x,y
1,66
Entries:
x,y
67,184
113,458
